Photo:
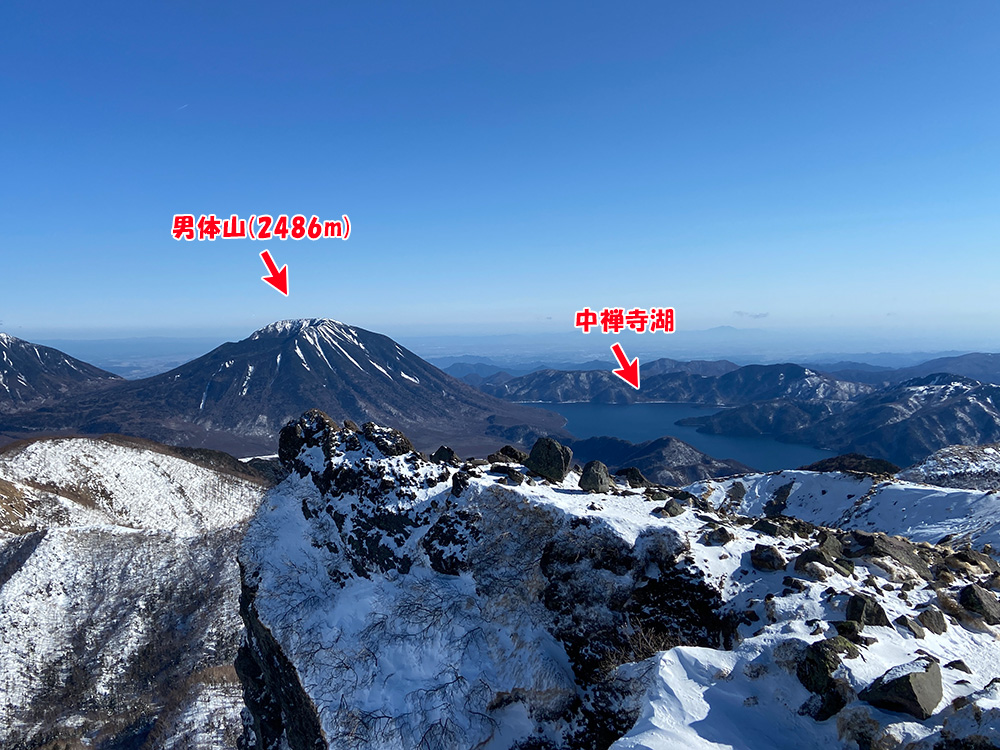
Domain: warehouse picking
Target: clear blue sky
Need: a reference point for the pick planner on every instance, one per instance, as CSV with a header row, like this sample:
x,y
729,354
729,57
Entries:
x,y
779,165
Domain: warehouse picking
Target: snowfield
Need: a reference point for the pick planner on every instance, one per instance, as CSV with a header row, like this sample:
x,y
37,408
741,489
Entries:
x,y
119,597
416,604
919,512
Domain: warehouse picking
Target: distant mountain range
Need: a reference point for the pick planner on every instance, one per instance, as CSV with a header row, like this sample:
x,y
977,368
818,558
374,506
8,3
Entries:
x,y
902,423
978,366
858,408
732,386
237,397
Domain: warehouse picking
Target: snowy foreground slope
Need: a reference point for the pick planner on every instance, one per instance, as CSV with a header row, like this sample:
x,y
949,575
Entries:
x,y
391,602
118,597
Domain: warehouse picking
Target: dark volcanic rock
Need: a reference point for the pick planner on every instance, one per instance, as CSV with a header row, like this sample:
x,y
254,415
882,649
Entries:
x,y
959,665
823,557
932,618
865,610
595,478
913,688
550,459
719,536
977,599
815,671
912,625
851,630
312,429
672,508
444,455
508,454
766,557
633,476
865,544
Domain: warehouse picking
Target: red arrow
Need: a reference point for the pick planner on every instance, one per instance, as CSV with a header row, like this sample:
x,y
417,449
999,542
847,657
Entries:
x,y
629,371
277,279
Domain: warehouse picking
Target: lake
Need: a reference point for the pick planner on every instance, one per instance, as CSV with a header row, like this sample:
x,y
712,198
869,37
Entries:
x,y
640,422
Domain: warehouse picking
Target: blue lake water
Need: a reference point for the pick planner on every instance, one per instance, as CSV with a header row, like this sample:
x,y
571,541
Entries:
x,y
640,422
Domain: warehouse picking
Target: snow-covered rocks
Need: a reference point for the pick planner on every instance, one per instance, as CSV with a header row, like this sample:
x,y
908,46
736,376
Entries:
x,y
394,602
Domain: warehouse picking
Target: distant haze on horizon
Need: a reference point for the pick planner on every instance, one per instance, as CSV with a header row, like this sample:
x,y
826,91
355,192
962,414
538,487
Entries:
x,y
141,356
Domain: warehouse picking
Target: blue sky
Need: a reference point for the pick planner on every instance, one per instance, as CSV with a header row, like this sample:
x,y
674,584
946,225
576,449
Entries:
x,y
821,170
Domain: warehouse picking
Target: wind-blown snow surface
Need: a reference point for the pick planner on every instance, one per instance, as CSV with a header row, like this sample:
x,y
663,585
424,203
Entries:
x,y
118,597
394,603
853,501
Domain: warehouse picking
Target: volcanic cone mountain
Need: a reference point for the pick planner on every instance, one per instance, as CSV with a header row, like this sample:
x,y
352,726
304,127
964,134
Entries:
x,y
238,396
31,375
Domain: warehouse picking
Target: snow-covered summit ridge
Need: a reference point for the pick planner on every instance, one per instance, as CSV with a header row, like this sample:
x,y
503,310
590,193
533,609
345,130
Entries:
x,y
83,482
920,512
390,599
296,326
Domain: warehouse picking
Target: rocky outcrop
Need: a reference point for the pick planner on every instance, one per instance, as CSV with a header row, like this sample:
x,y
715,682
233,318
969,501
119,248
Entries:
x,y
502,563
390,599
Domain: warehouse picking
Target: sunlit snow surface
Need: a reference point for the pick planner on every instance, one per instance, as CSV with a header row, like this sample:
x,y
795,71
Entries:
x,y
918,511
424,650
118,594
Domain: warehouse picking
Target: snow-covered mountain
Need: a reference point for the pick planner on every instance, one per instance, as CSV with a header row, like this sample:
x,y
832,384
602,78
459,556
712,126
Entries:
x,y
32,375
237,397
963,466
902,423
734,387
119,595
392,602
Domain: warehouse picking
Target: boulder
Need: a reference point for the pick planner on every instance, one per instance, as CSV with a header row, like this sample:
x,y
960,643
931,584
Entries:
x,y
514,477
851,630
980,601
913,688
596,478
390,441
912,625
865,610
932,618
444,455
822,556
958,664
867,544
672,508
767,557
815,671
508,455
633,476
460,481
550,459
719,536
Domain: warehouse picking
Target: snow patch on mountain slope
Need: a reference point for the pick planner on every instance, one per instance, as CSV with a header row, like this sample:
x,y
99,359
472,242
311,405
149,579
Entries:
x,y
101,482
918,511
961,466
118,595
